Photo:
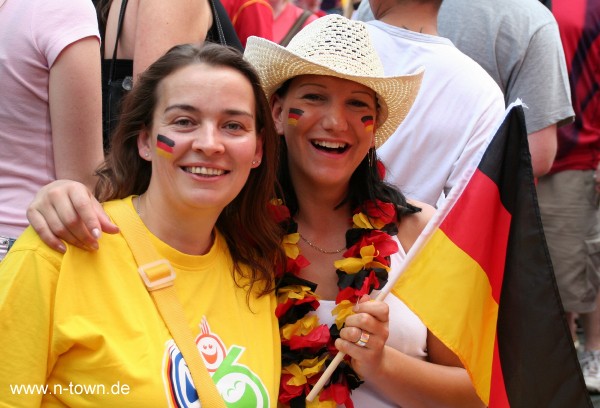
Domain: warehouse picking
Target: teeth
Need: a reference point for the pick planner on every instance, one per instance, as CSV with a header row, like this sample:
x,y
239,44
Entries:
x,y
330,145
206,171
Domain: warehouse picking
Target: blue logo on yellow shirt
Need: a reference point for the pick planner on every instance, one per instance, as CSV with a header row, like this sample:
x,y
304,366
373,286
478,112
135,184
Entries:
x,y
237,384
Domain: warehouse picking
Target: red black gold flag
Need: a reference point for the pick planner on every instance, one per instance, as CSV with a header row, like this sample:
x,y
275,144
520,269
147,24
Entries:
x,y
481,279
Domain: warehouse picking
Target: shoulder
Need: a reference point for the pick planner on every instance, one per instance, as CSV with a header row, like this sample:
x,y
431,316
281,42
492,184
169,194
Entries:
x,y
73,13
420,219
58,24
412,226
29,246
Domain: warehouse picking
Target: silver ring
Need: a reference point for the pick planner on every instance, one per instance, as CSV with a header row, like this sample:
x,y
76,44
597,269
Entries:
x,y
364,339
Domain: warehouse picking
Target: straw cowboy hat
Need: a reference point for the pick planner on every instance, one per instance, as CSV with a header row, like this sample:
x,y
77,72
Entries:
x,y
336,46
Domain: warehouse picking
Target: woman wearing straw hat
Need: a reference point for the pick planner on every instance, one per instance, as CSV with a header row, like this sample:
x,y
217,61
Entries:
x,y
333,106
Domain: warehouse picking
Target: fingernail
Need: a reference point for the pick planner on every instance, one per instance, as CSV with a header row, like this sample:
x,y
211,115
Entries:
x,y
61,248
96,233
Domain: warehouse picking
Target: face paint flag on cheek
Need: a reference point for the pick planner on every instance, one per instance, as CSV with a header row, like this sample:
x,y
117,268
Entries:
x,y
164,146
293,116
368,122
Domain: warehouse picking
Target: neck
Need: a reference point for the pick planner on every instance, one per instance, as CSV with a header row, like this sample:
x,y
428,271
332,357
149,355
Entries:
x,y
278,6
188,230
320,222
412,16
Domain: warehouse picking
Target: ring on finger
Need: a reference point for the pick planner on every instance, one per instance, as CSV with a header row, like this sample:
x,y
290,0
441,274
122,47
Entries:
x,y
363,340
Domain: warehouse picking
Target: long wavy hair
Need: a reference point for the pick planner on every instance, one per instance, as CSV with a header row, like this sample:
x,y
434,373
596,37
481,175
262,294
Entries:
x,y
366,183
253,237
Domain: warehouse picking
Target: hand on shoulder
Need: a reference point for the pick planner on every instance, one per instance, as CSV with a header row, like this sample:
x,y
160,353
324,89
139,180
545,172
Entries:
x,y
66,209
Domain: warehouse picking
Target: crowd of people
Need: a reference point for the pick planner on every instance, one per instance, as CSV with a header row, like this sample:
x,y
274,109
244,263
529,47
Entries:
x,y
254,148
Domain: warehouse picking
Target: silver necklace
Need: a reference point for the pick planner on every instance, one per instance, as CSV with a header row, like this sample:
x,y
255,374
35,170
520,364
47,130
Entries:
x,y
323,251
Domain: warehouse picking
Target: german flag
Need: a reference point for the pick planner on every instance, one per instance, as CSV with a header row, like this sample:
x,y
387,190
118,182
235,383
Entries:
x,y
481,280
164,145
293,116
368,122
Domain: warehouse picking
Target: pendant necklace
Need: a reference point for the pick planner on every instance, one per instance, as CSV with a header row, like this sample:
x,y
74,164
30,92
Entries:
x,y
323,251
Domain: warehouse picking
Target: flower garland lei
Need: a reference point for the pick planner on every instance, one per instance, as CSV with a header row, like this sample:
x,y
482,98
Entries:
x,y
307,346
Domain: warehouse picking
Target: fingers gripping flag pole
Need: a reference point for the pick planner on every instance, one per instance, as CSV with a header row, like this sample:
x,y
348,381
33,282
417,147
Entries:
x,y
480,278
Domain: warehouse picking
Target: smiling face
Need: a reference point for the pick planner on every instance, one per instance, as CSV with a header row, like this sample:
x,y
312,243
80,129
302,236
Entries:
x,y
203,139
328,127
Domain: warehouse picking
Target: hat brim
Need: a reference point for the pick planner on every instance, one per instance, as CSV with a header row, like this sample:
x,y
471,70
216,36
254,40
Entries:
x,y
276,64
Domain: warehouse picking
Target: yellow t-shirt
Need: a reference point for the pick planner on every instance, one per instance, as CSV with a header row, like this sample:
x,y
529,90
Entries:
x,y
81,330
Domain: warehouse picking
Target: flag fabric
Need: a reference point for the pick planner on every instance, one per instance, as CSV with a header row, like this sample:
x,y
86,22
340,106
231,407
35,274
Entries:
x,y
481,280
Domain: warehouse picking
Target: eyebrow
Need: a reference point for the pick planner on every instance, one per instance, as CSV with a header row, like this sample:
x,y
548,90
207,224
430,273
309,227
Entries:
x,y
190,108
323,86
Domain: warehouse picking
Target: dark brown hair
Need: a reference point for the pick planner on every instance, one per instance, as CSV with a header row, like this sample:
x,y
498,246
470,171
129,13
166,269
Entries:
x,y
253,237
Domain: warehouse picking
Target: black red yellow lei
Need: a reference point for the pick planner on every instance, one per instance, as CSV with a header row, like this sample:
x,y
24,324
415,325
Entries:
x,y
307,346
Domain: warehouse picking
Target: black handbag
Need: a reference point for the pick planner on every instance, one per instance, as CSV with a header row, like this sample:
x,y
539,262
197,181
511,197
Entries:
x,y
222,31
114,89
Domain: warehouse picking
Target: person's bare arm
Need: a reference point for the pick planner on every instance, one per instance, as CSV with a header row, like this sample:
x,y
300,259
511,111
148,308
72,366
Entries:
x,y
408,381
75,101
542,146
164,24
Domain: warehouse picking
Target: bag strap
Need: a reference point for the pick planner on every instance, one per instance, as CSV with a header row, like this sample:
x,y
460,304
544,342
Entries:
x,y
222,28
217,22
111,72
295,28
158,275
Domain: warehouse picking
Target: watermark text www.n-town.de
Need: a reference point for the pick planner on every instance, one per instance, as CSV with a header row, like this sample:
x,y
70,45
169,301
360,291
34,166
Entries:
x,y
72,389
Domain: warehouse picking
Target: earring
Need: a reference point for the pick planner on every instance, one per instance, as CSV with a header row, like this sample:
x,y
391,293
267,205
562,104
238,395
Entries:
x,y
371,157
255,162
146,154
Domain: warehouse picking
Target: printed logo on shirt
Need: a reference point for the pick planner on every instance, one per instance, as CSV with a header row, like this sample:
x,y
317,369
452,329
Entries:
x,y
237,384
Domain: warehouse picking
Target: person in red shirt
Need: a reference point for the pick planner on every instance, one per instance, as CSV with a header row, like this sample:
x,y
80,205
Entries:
x,y
285,14
569,193
250,17
312,5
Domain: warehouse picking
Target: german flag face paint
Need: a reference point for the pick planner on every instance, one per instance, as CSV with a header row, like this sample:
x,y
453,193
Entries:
x,y
164,146
293,116
368,122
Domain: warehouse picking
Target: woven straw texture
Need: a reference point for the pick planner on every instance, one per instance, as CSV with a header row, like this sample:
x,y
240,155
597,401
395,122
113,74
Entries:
x,y
336,46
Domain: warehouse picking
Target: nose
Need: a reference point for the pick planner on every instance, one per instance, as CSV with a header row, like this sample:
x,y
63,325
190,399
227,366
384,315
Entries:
x,y
335,118
208,140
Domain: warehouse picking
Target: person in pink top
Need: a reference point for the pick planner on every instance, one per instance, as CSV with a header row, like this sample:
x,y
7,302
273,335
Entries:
x,y
285,14
50,103
312,5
